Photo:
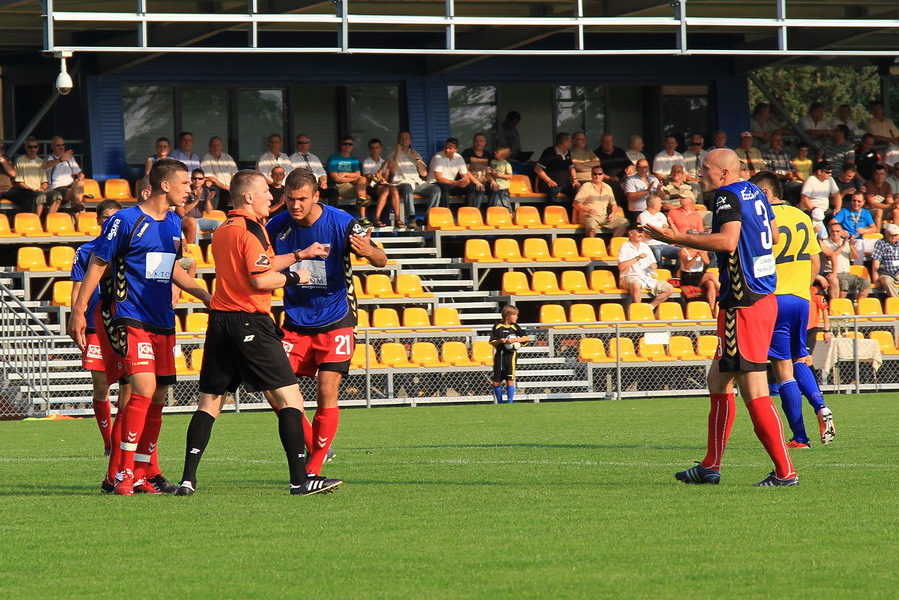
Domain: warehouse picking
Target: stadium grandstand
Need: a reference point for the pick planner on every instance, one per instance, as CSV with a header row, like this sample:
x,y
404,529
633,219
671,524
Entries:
x,y
521,73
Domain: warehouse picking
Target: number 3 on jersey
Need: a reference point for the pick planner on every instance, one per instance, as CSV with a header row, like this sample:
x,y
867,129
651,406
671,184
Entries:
x,y
765,234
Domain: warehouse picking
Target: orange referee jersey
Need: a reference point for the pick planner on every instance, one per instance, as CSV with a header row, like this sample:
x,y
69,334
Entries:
x,y
242,250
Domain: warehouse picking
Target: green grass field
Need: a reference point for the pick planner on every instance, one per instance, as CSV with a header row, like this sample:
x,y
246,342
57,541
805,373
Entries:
x,y
563,500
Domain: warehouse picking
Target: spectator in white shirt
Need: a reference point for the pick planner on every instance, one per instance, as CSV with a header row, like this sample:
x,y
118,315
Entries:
x,y
661,164
219,168
449,172
64,174
304,159
654,216
637,267
274,157
184,152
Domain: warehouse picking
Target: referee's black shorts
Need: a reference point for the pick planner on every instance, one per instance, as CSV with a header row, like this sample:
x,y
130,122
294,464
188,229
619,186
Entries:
x,y
243,348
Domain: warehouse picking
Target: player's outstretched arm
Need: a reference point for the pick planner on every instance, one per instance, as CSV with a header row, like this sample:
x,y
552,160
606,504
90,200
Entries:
x,y
77,322
272,280
724,241
361,245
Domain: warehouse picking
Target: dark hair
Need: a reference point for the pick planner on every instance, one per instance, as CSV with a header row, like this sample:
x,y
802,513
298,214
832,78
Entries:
x,y
769,181
822,165
272,136
849,166
106,205
184,134
300,178
815,106
451,140
802,145
242,181
215,137
879,167
867,135
479,134
163,139
346,137
759,108
513,114
375,141
874,103
842,129
562,136
198,172
164,170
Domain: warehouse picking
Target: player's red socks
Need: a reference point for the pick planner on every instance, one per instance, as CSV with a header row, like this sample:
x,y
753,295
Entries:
x,y
146,446
135,418
103,415
115,450
324,428
721,419
307,434
770,431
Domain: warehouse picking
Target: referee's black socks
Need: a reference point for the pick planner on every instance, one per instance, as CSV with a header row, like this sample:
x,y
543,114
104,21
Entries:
x,y
290,428
198,433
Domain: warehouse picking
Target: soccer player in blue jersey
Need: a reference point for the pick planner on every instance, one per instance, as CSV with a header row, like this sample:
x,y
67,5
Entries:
x,y
92,356
141,247
743,235
319,318
797,260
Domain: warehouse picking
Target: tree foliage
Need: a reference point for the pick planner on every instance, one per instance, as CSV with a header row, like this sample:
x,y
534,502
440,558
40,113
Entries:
x,y
797,87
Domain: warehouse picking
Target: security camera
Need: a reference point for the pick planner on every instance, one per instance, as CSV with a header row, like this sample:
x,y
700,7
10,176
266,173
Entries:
x,y
64,83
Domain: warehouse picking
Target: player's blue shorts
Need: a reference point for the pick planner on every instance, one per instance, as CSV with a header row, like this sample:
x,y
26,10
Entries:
x,y
789,338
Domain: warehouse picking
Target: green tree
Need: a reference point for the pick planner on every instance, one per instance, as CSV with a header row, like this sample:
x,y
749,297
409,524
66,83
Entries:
x,y
797,87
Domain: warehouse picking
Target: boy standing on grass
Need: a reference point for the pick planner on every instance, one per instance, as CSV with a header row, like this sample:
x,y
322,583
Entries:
x,y
506,337
500,179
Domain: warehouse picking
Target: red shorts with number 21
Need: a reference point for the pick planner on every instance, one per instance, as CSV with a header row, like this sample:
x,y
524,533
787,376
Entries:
x,y
329,351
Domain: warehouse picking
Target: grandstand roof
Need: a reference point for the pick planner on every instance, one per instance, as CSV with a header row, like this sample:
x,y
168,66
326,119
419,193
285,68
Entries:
x,y
758,33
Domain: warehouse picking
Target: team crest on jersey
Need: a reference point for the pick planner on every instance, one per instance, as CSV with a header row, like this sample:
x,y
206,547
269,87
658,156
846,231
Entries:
x,y
93,351
114,229
747,193
287,347
143,230
357,228
263,261
145,350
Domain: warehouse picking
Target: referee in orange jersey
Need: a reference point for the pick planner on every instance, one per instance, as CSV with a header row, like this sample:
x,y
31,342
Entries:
x,y
243,343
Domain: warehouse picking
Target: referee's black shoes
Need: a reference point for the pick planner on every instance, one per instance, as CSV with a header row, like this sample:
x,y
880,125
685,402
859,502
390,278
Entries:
x,y
316,484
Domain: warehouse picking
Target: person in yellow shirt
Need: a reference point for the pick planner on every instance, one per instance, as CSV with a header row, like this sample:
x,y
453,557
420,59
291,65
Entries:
x,y
797,258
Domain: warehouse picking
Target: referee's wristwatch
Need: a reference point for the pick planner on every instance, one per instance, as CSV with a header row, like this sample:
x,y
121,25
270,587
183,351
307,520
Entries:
x,y
296,255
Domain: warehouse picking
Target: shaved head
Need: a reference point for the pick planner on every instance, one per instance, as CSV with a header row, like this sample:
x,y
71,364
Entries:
x,y
720,167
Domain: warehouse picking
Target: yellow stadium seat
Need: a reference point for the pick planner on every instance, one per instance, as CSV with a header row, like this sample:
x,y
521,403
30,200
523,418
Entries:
x,y
60,224
861,271
841,307
706,345
640,311
5,231
681,347
545,282
536,249
425,354
195,252
594,249
611,312
557,217
362,318
653,352
87,224
553,314
623,348
196,322
615,245
603,282
62,292
592,350
196,359
92,190
31,258
670,311
360,353
28,225
582,313
378,285
891,305
870,308
482,352
886,342
393,354
565,249
663,274
574,282
456,354
515,283
409,286
416,316
447,316
500,218
520,187
117,189
219,215
478,251
188,297
507,250
62,257
527,217
441,218
872,236
469,217
699,310
181,364
385,318
278,294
